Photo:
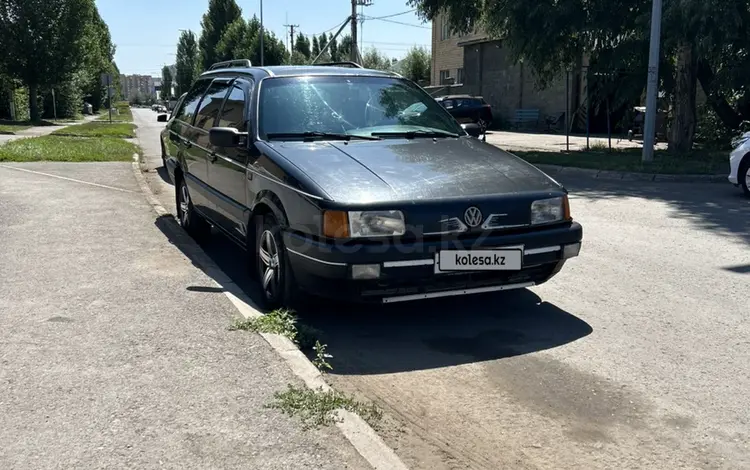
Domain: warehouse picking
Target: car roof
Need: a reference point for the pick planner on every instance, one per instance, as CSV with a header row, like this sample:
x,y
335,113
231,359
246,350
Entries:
x,y
292,70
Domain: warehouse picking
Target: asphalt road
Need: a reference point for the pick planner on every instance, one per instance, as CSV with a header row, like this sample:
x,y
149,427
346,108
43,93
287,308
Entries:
x,y
114,348
635,356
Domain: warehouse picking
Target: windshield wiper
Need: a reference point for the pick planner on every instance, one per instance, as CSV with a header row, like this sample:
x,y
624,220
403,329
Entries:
x,y
309,136
417,133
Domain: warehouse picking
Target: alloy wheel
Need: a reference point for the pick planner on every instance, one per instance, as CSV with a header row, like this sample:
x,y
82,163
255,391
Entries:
x,y
184,205
270,268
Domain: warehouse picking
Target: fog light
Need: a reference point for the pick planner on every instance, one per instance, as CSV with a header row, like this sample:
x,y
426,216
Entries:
x,y
571,251
365,271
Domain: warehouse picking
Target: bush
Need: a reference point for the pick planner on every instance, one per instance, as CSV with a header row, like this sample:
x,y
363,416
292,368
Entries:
x,y
68,101
710,131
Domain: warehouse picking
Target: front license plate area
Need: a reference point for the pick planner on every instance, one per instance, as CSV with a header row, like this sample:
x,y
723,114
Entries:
x,y
504,259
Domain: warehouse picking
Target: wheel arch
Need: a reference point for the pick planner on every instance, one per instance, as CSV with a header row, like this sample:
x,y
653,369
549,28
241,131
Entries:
x,y
265,202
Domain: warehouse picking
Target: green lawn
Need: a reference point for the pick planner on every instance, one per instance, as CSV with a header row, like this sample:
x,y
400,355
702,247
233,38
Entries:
x,y
11,127
98,129
697,163
67,149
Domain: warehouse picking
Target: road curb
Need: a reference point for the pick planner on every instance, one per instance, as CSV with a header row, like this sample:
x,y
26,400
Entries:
x,y
627,175
360,434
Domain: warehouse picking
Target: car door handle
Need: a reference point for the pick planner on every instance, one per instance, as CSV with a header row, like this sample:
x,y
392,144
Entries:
x,y
212,157
187,143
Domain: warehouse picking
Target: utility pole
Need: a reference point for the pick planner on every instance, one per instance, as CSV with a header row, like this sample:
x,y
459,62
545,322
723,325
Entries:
x,y
291,36
262,33
353,55
652,88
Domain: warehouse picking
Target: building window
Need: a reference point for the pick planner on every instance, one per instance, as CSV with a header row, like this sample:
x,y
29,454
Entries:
x,y
460,75
445,75
445,29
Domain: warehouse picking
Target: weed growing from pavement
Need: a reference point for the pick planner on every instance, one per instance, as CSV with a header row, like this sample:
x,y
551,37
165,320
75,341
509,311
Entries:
x,y
281,322
321,357
317,408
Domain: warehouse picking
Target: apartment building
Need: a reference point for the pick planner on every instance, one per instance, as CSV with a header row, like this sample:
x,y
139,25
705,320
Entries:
x,y
131,85
447,53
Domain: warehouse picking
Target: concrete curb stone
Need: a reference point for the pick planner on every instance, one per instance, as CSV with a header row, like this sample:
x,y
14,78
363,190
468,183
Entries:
x,y
630,176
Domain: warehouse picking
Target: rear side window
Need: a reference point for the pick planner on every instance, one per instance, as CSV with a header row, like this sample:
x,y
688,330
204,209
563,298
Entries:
x,y
190,103
233,113
209,107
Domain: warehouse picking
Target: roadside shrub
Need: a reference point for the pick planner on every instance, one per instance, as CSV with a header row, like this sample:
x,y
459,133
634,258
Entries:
x,y
710,131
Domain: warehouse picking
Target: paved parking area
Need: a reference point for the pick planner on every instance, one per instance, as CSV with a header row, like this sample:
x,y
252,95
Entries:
x,y
549,142
114,348
634,357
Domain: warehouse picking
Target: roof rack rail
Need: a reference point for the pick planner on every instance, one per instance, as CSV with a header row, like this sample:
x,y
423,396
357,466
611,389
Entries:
x,y
353,65
227,64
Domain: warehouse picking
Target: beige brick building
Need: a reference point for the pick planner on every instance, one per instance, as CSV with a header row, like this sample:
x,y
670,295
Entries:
x,y
483,67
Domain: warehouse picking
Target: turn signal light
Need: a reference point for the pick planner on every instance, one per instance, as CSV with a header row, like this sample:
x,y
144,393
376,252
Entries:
x,y
566,208
335,224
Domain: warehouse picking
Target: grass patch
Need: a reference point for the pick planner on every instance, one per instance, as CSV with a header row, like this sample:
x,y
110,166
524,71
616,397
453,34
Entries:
x,y
317,408
98,129
697,163
11,127
124,114
67,149
281,322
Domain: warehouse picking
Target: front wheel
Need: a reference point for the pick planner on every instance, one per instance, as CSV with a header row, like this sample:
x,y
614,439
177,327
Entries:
x,y
274,272
191,221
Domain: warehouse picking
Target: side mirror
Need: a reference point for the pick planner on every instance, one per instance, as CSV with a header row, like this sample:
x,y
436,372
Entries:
x,y
226,137
162,118
472,129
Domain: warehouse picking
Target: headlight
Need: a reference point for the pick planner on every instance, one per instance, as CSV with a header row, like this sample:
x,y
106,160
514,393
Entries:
x,y
376,223
357,224
546,211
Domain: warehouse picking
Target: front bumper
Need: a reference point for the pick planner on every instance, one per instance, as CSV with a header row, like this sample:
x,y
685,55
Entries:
x,y
407,271
735,158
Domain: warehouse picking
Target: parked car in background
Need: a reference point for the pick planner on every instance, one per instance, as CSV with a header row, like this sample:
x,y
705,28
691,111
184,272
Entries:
x,y
355,184
468,109
739,163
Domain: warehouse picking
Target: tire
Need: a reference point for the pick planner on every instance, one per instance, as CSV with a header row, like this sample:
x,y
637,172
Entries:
x,y
193,223
743,176
274,273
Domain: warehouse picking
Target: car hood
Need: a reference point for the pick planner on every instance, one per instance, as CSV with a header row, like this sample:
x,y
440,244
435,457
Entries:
x,y
413,169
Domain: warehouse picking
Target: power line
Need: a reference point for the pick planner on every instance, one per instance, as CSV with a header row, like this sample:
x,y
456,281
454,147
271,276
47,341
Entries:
x,y
399,22
394,14
331,29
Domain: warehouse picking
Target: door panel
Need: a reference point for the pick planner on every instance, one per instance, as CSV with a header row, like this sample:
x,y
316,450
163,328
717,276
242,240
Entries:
x,y
227,172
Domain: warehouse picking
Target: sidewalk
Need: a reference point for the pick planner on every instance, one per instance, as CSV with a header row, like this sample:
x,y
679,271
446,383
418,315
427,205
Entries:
x,y
38,131
115,350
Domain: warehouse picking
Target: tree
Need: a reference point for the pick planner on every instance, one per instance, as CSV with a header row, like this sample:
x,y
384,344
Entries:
x,y
186,62
373,59
166,84
99,53
297,58
322,42
220,14
302,45
334,49
344,49
702,40
42,42
241,40
416,65
315,47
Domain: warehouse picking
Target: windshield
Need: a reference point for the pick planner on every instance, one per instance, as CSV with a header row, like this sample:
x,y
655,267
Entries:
x,y
349,105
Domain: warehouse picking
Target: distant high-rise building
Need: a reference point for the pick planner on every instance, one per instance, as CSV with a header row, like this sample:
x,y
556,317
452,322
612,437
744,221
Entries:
x,y
132,85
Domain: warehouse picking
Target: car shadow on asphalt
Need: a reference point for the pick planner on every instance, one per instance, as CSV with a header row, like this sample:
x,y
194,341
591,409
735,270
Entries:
x,y
710,206
376,339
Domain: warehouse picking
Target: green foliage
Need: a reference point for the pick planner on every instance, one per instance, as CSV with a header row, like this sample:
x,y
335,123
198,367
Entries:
x,y
166,84
315,47
297,58
373,59
67,149
42,41
318,408
334,50
711,132
186,62
302,45
220,14
416,65
68,98
98,129
281,322
98,59
241,40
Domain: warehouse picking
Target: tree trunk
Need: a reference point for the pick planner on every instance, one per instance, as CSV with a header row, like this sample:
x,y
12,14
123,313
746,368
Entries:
x,y
682,131
34,102
718,102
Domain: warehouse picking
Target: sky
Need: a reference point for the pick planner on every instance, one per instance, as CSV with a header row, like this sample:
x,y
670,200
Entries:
x,y
146,31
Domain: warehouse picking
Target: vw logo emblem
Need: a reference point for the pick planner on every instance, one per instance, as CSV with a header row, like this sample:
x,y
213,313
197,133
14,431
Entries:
x,y
473,216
